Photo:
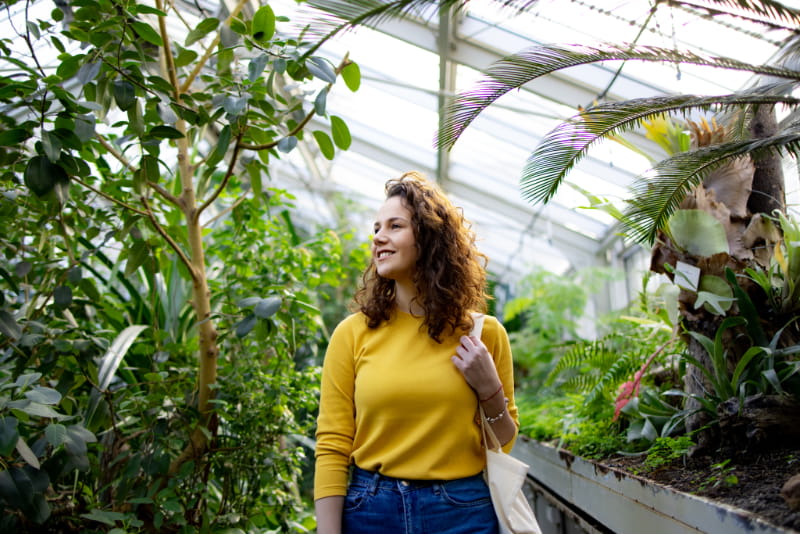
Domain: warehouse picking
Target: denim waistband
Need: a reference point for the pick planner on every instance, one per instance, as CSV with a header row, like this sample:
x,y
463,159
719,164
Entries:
x,y
374,480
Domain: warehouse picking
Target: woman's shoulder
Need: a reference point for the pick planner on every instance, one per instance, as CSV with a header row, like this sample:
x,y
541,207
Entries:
x,y
493,326
354,321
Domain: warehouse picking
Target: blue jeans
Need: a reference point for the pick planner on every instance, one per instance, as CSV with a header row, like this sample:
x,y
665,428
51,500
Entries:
x,y
379,504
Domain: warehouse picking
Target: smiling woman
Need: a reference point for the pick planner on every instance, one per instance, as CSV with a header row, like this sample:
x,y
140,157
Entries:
x,y
402,380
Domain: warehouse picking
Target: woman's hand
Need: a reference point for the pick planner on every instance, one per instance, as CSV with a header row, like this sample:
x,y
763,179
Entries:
x,y
476,364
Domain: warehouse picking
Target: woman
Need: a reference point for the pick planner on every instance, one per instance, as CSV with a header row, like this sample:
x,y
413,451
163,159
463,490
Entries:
x,y
402,380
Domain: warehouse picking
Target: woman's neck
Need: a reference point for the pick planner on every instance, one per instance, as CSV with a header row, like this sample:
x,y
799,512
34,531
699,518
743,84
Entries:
x,y
404,299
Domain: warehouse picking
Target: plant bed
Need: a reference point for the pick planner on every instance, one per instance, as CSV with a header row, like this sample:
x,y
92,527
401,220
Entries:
x,y
694,497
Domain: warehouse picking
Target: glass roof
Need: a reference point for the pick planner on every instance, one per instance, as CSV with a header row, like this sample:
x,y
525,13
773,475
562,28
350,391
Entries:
x,y
394,115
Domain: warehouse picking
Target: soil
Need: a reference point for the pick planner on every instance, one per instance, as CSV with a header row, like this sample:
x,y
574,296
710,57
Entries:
x,y
750,482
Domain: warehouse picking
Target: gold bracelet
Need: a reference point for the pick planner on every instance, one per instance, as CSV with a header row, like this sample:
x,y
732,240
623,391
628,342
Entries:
x,y
496,418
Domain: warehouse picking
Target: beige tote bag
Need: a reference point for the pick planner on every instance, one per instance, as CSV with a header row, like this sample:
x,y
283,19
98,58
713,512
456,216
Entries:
x,y
505,475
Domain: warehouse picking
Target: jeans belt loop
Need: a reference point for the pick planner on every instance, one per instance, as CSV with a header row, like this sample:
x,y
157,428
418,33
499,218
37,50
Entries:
x,y
373,487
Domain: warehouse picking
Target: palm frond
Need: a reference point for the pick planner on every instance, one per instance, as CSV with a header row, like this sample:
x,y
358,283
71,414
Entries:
x,y
331,17
515,71
657,196
767,12
562,148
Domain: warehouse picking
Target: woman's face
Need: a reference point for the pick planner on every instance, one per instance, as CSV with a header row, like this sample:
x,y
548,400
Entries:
x,y
394,250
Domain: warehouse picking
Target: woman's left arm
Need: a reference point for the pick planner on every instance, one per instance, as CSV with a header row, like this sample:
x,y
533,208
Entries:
x,y
491,375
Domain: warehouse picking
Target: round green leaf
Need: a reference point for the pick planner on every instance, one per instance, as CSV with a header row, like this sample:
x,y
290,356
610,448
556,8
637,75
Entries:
x,y
41,175
55,433
246,325
43,395
325,144
263,24
267,307
287,144
352,76
124,94
62,296
341,133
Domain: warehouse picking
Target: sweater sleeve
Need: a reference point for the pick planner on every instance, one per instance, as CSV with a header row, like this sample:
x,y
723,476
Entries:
x,y
336,420
496,339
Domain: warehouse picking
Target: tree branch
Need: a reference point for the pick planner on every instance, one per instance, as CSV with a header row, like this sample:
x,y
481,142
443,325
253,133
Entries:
x,y
210,50
109,197
160,229
225,180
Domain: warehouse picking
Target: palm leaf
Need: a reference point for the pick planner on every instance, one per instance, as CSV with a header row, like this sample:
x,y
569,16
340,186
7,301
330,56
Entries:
x,y
332,17
515,71
562,148
655,198
774,12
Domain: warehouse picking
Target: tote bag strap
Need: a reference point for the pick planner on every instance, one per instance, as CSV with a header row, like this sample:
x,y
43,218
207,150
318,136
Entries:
x,y
489,438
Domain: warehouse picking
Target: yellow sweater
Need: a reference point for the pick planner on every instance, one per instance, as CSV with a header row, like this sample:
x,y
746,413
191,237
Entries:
x,y
392,401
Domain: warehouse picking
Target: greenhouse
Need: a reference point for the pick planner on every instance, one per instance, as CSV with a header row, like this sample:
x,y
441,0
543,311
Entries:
x,y
197,210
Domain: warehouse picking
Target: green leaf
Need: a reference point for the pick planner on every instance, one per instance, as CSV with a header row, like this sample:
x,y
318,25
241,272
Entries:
x,y
287,144
103,516
320,102
325,144
165,132
56,434
13,137
137,255
34,408
244,326
150,169
8,434
146,32
76,438
697,232
51,145
205,27
263,27
714,294
220,148
41,175
267,307
256,67
43,395
124,94
142,9
185,57
113,356
9,326
321,68
26,453
341,133
62,296
352,76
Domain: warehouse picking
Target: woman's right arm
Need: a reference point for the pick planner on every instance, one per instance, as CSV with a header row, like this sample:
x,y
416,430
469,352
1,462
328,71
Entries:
x,y
329,514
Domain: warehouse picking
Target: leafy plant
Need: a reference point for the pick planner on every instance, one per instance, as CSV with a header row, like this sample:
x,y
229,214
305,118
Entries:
x,y
665,450
722,474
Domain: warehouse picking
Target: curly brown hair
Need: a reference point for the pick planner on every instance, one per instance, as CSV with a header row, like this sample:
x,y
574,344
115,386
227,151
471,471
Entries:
x,y
450,273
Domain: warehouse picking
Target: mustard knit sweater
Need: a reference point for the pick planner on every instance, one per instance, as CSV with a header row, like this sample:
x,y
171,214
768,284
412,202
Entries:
x,y
392,401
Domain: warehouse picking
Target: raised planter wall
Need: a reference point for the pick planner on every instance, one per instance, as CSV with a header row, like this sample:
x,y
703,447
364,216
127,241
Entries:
x,y
573,495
